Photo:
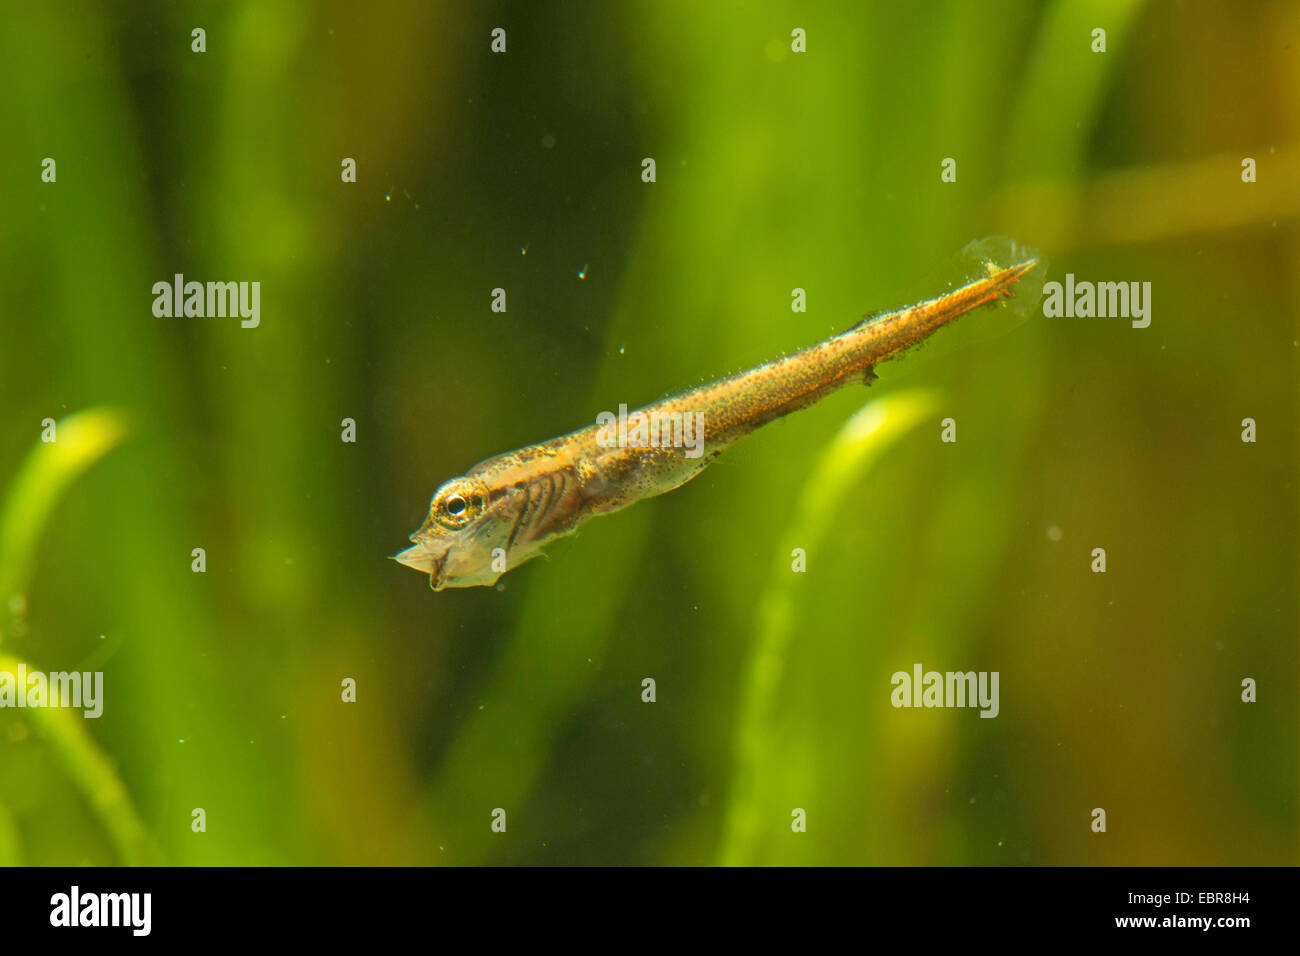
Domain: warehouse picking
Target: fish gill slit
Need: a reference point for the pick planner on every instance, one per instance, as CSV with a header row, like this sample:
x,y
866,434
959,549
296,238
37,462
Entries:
x,y
545,501
521,519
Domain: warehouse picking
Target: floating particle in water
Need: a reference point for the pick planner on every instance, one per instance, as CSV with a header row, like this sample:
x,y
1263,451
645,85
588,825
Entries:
x,y
523,250
388,197
180,740
1054,533
548,141
103,636
582,273
622,349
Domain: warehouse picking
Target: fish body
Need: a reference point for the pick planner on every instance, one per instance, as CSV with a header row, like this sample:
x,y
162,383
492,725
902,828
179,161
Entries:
x,y
504,510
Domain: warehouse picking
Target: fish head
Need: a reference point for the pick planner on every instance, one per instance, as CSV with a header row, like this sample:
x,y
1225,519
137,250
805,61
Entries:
x,y
464,540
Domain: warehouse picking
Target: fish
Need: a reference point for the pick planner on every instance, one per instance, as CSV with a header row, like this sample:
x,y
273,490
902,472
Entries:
x,y
505,510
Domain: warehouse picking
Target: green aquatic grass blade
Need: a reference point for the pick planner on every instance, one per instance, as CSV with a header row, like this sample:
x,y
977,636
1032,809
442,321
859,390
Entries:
x,y
838,474
11,847
94,775
80,441
1057,111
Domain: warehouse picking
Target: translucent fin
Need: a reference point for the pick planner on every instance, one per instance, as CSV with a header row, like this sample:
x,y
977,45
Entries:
x,y
977,260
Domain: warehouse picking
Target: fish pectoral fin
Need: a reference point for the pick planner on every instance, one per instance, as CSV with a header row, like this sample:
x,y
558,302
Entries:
x,y
539,553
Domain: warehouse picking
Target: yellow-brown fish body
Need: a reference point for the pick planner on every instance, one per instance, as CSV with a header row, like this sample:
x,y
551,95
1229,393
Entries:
x,y
502,511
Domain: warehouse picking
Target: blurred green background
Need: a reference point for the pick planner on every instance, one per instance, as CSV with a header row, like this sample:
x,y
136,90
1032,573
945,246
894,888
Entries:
x,y
775,170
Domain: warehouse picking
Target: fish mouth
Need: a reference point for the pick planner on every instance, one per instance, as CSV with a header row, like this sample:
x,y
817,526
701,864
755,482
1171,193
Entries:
x,y
421,559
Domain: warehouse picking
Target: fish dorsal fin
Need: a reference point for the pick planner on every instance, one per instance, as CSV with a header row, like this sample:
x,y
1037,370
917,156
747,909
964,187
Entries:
x,y
870,316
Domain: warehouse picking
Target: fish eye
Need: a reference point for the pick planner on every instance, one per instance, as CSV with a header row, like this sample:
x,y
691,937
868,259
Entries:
x,y
457,506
